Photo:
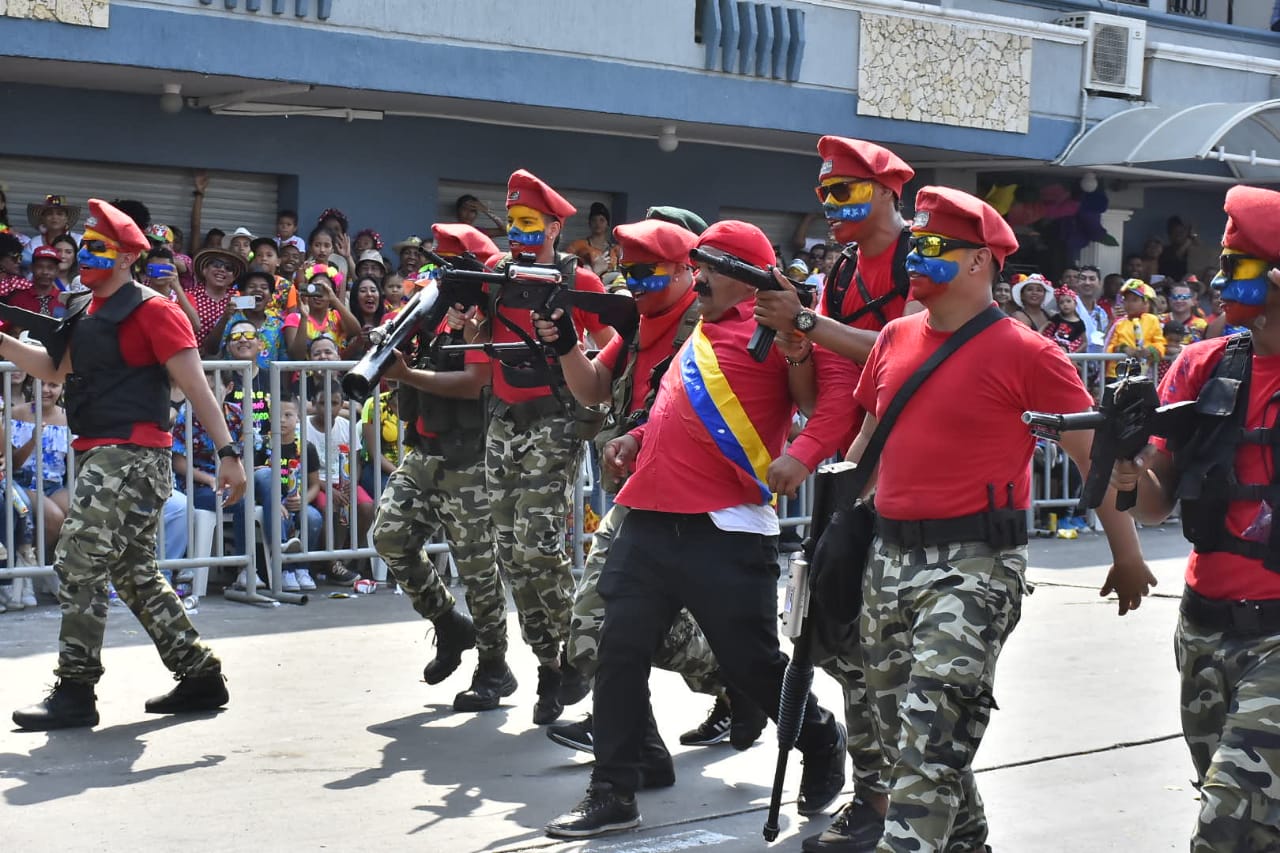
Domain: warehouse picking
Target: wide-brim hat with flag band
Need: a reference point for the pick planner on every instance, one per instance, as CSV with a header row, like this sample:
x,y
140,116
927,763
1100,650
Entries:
x,y
202,260
1251,216
654,241
116,225
956,214
857,158
35,212
528,189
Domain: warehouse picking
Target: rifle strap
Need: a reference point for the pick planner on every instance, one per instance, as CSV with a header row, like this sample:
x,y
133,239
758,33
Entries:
x,y
871,455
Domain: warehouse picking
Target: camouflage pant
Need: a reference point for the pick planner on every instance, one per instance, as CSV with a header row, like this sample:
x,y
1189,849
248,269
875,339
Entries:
x,y
110,534
933,625
422,497
1230,697
530,477
684,650
837,650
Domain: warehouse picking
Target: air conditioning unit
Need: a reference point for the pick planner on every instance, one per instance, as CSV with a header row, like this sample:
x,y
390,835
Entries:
x,y
1116,49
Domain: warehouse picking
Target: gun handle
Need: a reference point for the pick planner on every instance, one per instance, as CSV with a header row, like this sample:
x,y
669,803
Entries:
x,y
1126,500
760,343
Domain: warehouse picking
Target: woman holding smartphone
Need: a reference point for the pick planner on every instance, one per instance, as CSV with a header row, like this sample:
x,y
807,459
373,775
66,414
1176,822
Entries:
x,y
252,305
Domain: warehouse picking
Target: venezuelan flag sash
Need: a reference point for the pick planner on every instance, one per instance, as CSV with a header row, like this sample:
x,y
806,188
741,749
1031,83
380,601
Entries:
x,y
721,411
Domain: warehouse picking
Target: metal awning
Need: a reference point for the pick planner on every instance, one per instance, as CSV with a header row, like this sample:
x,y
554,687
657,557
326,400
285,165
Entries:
x,y
1243,138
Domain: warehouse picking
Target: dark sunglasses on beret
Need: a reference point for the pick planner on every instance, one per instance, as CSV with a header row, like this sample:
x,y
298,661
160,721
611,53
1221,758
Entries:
x,y
930,246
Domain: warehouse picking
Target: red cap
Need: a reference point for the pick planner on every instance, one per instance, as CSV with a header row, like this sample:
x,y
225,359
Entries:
x,y
1251,227
115,225
526,188
48,253
454,238
954,213
654,241
740,239
856,158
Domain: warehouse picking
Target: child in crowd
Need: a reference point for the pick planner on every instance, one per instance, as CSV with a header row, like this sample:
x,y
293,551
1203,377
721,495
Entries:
x,y
374,473
1139,333
329,430
287,230
299,491
393,291
51,447
15,594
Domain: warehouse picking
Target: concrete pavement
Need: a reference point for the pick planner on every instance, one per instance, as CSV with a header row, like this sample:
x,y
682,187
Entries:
x,y
333,743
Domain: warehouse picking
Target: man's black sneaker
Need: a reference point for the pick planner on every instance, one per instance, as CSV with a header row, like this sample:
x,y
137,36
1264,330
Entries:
x,y
857,828
574,735
574,686
69,705
823,775
548,708
194,693
714,729
455,633
601,810
493,680
746,720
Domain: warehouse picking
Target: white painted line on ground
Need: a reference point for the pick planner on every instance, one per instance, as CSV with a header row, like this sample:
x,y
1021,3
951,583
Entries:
x,y
669,843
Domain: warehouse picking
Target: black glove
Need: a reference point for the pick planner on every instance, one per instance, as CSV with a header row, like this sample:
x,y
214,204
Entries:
x,y
567,335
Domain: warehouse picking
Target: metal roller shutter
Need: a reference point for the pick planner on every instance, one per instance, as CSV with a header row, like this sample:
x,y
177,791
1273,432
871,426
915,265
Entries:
x,y
779,225
494,197
233,198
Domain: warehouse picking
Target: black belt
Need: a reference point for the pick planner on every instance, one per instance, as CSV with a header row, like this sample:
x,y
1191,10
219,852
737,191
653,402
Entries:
x,y
1251,618
1000,528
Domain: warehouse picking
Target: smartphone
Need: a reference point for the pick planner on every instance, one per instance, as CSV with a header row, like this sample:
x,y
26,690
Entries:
x,y
243,302
161,270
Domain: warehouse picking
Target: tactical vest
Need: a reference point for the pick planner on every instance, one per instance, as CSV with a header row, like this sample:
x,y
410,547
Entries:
x,y
1207,481
844,273
448,427
105,397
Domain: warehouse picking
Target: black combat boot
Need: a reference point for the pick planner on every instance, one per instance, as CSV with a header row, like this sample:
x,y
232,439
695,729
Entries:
x,y
455,633
492,681
574,686
69,705
656,769
194,693
548,708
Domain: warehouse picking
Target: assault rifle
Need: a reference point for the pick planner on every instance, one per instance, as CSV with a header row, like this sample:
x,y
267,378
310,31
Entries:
x,y
761,279
424,310
53,332
1130,413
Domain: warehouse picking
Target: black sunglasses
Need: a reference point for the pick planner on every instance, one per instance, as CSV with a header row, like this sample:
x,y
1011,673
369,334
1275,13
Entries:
x,y
218,265
841,192
95,247
929,246
637,272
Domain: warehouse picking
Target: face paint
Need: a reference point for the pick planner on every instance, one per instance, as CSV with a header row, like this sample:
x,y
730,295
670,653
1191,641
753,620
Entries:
x,y
938,270
1239,314
526,227
97,258
646,278
928,267
845,201
1242,282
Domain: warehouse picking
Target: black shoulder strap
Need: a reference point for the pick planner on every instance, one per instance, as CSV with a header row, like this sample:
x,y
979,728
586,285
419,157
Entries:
x,y
838,281
901,285
871,455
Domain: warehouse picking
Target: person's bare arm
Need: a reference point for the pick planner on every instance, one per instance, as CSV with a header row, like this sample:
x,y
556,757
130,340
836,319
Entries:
x,y
197,207
33,359
588,379
465,384
859,446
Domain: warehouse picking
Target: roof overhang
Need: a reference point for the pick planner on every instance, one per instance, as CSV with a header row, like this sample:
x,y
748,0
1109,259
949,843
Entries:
x,y
1238,142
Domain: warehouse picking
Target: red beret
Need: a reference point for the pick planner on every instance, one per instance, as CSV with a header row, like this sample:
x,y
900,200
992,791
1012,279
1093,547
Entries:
x,y
115,225
454,238
740,239
855,158
954,213
527,189
654,241
1251,213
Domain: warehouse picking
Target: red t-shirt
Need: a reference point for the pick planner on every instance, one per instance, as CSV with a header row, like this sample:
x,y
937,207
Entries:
x,y
155,332
963,429
1221,575
680,467
657,333
585,280
877,276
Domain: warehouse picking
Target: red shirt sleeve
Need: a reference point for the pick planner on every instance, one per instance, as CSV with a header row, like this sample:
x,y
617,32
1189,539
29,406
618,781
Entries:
x,y
587,281
1052,383
154,333
833,426
864,394
608,355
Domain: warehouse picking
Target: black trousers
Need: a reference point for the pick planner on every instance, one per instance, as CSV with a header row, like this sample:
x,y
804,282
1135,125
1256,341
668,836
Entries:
x,y
658,563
